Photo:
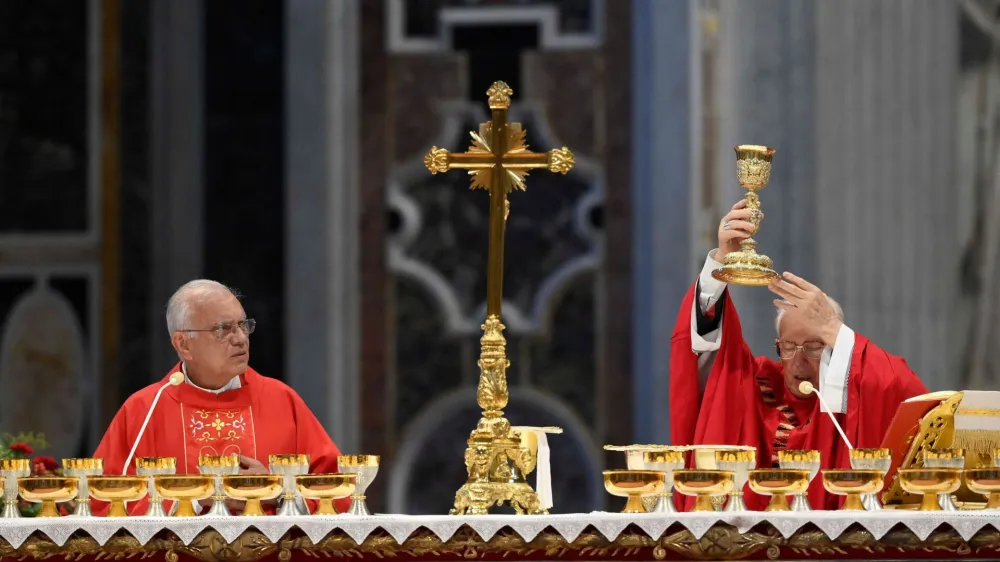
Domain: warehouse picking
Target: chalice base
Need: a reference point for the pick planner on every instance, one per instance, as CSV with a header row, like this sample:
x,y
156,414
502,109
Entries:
x,y
994,501
947,504
634,504
10,509
736,504
155,508
219,508
476,498
853,503
930,502
48,509
184,509
290,506
801,503
871,503
325,507
703,503
83,508
252,508
779,502
665,504
747,268
117,509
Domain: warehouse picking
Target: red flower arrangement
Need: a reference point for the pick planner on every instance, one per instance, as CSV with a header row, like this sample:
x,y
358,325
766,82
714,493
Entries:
x,y
22,446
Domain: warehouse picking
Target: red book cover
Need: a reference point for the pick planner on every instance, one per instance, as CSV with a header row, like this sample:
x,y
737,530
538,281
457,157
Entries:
x,y
904,428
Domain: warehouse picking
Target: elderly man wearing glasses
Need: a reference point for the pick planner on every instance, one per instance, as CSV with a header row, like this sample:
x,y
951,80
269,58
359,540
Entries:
x,y
221,406
721,394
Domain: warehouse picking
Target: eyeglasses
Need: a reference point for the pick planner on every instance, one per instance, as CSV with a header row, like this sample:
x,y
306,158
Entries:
x,y
224,329
787,349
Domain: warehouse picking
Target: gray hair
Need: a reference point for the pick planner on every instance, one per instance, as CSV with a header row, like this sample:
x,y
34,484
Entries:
x,y
833,304
193,292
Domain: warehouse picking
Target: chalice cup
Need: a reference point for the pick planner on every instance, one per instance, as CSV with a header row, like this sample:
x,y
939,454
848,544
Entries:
x,y
704,485
801,460
779,483
366,467
11,470
930,483
634,485
288,467
666,462
252,489
985,481
184,489
119,490
326,488
705,459
81,469
746,266
48,490
856,484
217,467
870,459
945,458
150,468
739,463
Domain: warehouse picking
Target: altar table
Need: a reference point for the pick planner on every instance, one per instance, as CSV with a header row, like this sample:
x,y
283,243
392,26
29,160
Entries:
x,y
886,535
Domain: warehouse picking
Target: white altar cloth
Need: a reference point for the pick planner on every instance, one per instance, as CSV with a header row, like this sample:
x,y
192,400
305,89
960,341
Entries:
x,y
569,526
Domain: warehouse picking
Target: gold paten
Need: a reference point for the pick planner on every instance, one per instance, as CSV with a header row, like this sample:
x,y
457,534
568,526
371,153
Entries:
x,y
853,484
498,161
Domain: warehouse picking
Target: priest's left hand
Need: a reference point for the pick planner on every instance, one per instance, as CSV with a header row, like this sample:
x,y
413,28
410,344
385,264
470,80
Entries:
x,y
809,303
250,465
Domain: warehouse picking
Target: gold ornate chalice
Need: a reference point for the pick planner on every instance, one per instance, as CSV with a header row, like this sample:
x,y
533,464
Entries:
x,y
252,489
217,467
366,467
118,490
289,466
739,463
150,467
746,266
48,490
704,484
855,484
326,488
11,470
945,458
634,484
666,462
985,481
81,469
930,482
779,483
184,489
871,459
801,460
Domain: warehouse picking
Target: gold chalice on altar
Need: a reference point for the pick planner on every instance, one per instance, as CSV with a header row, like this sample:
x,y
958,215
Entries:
x,y
289,466
48,490
666,462
366,467
217,467
81,469
746,266
779,483
326,488
633,484
252,488
801,460
183,489
945,458
739,462
930,482
704,484
150,467
985,481
118,490
871,459
11,470
854,484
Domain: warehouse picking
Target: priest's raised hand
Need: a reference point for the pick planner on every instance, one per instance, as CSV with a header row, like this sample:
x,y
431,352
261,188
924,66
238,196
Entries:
x,y
720,393
222,407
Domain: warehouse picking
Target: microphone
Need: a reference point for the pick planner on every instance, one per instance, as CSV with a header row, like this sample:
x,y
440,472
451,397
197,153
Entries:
x,y
175,379
805,387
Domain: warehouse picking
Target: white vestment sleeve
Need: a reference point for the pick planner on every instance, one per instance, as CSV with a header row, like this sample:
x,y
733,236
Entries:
x,y
710,291
834,371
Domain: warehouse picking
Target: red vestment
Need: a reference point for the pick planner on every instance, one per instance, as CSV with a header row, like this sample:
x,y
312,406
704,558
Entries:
x,y
263,417
746,402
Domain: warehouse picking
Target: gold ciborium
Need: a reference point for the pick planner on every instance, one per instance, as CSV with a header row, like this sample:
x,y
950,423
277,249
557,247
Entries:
x,y
633,484
666,462
854,484
118,490
150,467
183,489
871,459
326,488
945,458
48,491
779,483
217,467
746,266
930,482
806,459
985,481
289,466
11,470
81,469
704,485
253,489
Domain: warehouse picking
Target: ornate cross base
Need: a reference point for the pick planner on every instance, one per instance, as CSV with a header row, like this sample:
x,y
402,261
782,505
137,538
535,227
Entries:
x,y
496,466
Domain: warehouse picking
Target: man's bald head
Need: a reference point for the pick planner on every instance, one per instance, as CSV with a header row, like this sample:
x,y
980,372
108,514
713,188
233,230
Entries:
x,y
188,297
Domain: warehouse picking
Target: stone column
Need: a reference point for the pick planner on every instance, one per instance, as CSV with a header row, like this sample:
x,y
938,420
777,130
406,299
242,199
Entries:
x,y
322,268
177,170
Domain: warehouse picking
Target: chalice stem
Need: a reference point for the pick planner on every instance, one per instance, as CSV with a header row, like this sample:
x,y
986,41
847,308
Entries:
x,y
853,503
736,503
253,508
665,504
801,503
994,501
634,504
48,509
930,503
703,503
871,503
117,509
184,509
779,502
325,507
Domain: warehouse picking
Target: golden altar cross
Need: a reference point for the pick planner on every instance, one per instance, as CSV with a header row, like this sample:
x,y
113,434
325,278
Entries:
x,y
499,162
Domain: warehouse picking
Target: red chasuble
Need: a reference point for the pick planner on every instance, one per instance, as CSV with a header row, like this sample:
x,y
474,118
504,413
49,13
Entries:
x,y
263,417
746,402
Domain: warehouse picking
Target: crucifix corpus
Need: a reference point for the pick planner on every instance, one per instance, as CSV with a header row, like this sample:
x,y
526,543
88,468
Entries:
x,y
498,457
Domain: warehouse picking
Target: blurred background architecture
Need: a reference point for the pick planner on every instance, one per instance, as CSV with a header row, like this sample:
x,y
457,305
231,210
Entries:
x,y
276,146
